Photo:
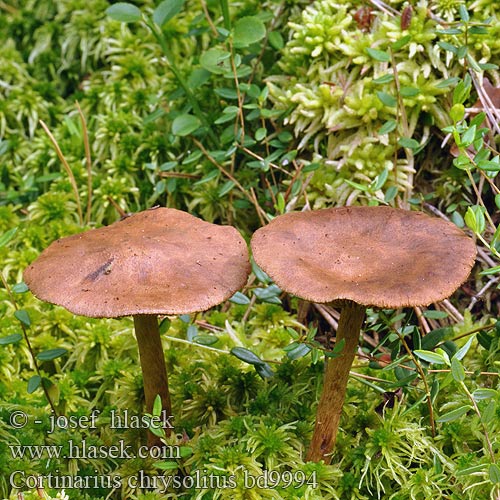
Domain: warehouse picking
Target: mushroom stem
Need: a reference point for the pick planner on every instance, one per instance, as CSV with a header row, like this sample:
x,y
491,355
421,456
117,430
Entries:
x,y
335,384
154,371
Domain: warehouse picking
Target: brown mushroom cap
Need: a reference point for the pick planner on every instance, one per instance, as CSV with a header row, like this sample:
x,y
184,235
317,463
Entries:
x,y
160,261
375,256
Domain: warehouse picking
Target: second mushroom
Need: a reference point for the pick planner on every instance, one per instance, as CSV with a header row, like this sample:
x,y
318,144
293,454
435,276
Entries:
x,y
160,261
354,257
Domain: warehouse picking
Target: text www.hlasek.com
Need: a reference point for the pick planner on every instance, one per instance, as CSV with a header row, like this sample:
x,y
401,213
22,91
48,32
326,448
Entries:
x,y
74,450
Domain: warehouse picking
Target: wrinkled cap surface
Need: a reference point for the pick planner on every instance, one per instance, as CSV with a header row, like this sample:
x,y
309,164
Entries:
x,y
160,261
376,256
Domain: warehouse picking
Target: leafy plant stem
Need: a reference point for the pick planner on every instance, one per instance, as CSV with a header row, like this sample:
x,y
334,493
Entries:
x,y
68,170
180,79
478,195
28,343
241,116
424,380
478,413
401,111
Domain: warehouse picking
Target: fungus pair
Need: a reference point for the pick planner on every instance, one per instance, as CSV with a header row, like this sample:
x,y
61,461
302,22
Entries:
x,y
160,261
164,261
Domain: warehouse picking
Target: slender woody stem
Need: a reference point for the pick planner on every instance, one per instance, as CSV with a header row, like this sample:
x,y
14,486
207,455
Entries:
x,y
335,384
154,371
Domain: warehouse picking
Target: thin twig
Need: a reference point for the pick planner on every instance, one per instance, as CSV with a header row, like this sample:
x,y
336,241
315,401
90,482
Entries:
x,y
422,320
117,207
211,159
209,19
324,311
88,158
67,168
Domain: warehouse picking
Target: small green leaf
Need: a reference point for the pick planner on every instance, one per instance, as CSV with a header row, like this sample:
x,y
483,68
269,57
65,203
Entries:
x,y
491,270
384,79
246,355
387,99
264,370
240,298
432,314
124,12
448,47
454,414
34,383
314,166
490,412
460,354
449,31
4,147
20,287
166,11
408,142
430,357
494,473
166,465
380,180
10,339
390,194
164,326
192,332
448,82
276,40
464,14
462,51
248,30
216,61
337,349
378,55
490,165
7,236
468,137
399,44
185,124
387,127
157,406
23,317
259,273
457,370
206,339
482,394
356,185
434,337
260,134
299,351
269,294
457,112
409,91
51,354
225,188
474,218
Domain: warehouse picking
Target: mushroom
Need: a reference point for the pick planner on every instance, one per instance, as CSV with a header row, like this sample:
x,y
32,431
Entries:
x,y
354,257
159,261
